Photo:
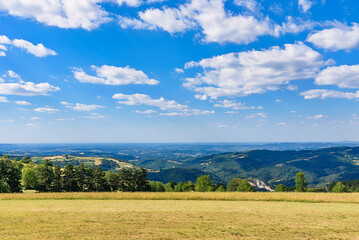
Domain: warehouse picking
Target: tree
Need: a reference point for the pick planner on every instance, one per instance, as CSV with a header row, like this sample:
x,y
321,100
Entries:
x,y
69,180
29,179
56,183
280,188
239,185
45,176
156,186
26,159
10,173
133,180
99,181
4,187
221,188
339,188
112,180
300,182
169,187
204,184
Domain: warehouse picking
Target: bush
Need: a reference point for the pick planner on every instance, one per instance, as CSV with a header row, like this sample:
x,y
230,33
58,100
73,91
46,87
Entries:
x,y
280,188
339,188
4,187
239,185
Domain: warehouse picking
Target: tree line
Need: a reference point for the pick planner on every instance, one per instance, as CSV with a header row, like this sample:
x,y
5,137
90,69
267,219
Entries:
x,y
16,176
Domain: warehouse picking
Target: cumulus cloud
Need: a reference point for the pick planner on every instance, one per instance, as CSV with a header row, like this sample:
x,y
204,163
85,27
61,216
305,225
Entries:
x,y
232,104
324,93
245,73
3,99
257,115
111,75
38,50
26,89
146,111
343,76
305,5
81,107
340,37
46,110
22,103
214,22
86,14
174,108
319,116
95,116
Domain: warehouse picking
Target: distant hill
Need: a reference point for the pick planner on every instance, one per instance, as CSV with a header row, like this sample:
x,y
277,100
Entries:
x,y
320,166
180,175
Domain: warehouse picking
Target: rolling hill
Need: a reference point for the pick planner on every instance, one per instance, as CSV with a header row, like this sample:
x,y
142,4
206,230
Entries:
x,y
320,166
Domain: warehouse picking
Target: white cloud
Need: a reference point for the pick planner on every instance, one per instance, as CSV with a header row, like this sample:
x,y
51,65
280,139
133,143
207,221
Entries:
x,y
142,99
95,116
244,73
319,116
231,104
31,125
169,19
26,89
278,100
38,50
65,119
22,103
111,75
338,38
257,115
324,93
4,99
60,13
12,74
283,124
305,5
179,70
174,107
86,14
34,118
251,5
81,107
146,111
46,110
215,23
343,76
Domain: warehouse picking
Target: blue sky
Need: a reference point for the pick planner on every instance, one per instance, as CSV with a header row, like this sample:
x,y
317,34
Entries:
x,y
178,71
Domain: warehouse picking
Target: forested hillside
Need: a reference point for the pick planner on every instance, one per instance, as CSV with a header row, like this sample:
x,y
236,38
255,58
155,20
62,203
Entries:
x,y
320,166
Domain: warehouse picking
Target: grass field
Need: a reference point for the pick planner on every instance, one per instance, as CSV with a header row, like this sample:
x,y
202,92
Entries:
x,y
92,216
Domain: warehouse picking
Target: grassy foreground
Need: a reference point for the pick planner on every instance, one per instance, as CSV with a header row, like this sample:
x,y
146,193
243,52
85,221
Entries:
x,y
224,196
103,216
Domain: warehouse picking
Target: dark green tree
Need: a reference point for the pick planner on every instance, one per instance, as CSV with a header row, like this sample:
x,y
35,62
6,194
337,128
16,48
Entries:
x,y
69,180
156,186
112,180
26,159
99,181
10,173
45,176
300,182
133,180
56,183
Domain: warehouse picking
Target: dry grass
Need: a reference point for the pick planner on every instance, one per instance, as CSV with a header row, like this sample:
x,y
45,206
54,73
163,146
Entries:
x,y
226,196
175,219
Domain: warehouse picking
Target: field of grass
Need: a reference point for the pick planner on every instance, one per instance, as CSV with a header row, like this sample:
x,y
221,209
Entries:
x,y
135,216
